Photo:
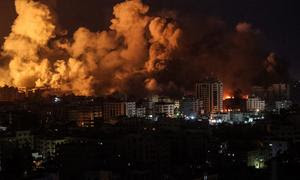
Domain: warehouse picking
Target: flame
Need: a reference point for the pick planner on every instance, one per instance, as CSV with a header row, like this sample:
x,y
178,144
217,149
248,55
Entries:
x,y
227,96
245,96
232,97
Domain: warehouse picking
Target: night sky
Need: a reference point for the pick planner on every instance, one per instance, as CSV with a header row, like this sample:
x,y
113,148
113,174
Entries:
x,y
277,20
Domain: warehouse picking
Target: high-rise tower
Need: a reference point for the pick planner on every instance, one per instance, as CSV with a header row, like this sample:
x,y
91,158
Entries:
x,y
210,92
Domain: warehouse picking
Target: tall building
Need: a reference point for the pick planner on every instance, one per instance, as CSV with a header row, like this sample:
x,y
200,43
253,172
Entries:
x,y
210,92
279,92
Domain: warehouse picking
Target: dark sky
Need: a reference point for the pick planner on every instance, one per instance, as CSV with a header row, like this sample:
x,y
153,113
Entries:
x,y
278,20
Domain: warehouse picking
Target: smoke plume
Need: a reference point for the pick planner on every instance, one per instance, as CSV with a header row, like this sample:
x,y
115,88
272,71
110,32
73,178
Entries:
x,y
137,54
236,56
135,47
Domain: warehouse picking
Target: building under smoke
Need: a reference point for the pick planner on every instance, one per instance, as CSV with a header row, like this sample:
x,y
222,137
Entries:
x,y
272,93
210,92
190,107
10,94
235,104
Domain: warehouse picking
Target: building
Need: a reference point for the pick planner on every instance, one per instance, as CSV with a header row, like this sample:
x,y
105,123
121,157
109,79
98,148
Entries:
x,y
165,99
162,108
190,107
112,110
258,158
235,117
130,109
279,92
278,147
141,112
84,116
283,104
154,98
20,138
24,138
217,118
48,147
255,104
10,94
272,93
235,104
210,92
259,91
149,107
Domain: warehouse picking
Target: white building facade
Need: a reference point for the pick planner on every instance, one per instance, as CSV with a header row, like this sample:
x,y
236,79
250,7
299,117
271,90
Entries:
x,y
255,104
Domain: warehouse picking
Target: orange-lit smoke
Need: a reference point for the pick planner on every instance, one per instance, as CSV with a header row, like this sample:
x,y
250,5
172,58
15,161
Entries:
x,y
228,95
98,62
31,31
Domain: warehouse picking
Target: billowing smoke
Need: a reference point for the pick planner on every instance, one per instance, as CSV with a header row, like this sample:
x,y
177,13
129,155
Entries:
x,y
134,48
31,31
275,70
137,54
237,56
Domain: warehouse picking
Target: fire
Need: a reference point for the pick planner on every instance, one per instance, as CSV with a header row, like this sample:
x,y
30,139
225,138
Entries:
x,y
232,97
227,95
246,97
135,47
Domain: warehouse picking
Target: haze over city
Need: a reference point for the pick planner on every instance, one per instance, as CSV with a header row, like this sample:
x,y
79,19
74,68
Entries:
x,y
131,46
145,89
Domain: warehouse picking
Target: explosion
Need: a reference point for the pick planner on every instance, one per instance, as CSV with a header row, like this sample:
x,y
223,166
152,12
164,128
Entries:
x,y
137,54
136,47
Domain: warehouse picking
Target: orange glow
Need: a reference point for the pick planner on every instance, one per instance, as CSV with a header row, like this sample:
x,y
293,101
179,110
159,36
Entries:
x,y
227,96
135,44
246,97
232,97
